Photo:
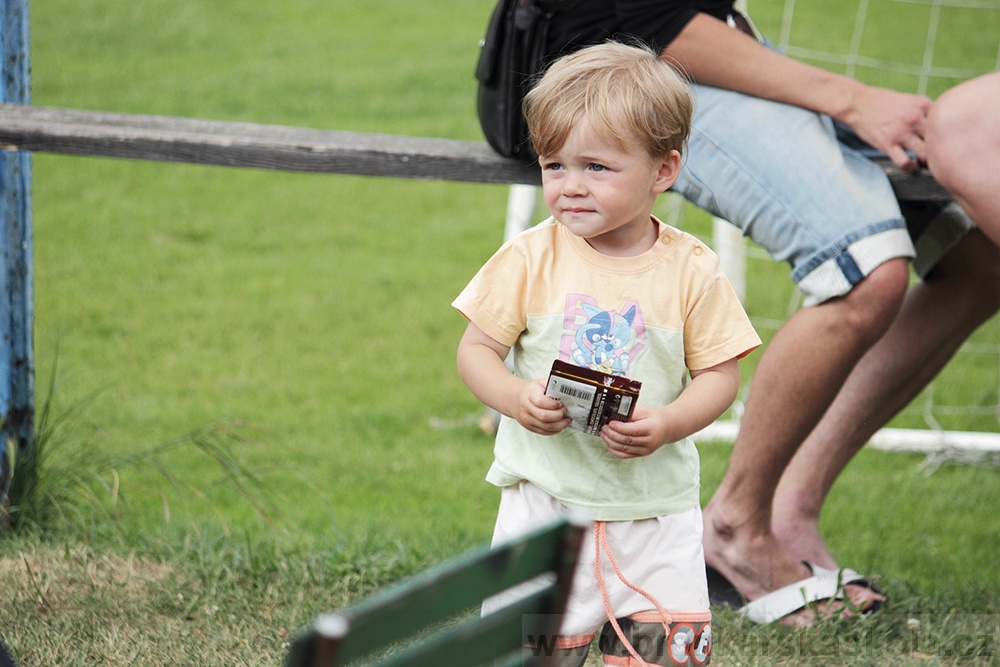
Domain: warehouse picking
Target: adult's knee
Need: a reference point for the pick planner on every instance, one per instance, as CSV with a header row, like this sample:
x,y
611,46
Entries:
x,y
946,137
873,304
958,126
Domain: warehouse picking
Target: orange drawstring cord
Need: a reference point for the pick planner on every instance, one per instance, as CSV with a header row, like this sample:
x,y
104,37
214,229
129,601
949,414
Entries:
x,y
601,544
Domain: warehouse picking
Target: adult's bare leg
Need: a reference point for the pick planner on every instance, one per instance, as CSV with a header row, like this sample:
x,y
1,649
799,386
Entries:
x,y
797,378
937,315
963,144
963,148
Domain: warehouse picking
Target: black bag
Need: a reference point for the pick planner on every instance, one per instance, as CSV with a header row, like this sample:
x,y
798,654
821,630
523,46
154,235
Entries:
x,y
511,54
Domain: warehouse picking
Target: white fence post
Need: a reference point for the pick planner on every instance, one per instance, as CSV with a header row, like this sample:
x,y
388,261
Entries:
x,y
729,246
520,209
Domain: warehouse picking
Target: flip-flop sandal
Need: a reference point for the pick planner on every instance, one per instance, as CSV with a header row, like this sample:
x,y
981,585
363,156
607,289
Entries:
x,y
824,584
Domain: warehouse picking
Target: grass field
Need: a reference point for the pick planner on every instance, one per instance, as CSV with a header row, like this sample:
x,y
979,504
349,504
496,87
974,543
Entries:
x,y
299,327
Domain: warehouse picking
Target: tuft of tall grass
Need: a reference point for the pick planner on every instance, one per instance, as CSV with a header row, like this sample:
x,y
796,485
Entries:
x,y
35,499
61,480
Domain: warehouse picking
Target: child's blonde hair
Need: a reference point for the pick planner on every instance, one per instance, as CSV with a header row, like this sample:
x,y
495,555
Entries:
x,y
627,93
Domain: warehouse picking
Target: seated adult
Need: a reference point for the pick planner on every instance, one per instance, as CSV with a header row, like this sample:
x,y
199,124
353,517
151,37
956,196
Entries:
x,y
770,152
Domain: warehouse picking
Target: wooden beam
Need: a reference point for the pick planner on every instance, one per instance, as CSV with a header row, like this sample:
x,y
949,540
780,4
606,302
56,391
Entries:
x,y
17,356
257,146
285,148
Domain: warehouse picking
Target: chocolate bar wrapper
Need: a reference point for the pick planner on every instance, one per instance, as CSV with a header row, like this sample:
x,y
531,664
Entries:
x,y
592,398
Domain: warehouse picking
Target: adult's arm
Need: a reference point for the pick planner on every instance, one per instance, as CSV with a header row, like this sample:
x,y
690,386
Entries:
x,y
713,54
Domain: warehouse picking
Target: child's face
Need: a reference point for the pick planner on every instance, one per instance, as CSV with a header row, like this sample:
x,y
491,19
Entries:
x,y
604,193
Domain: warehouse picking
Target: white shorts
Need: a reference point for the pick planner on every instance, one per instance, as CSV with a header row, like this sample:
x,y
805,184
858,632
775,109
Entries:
x,y
662,556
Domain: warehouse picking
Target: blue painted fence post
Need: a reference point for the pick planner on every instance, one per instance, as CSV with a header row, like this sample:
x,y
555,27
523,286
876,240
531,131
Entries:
x,y
17,364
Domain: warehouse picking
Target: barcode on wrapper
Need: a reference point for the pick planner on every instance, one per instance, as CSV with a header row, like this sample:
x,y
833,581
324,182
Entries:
x,y
574,392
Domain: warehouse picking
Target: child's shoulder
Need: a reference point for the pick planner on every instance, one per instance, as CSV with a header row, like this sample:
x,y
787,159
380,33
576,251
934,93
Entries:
x,y
683,240
541,238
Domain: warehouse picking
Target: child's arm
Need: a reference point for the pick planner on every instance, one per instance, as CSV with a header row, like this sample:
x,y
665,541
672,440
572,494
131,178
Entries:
x,y
481,366
710,393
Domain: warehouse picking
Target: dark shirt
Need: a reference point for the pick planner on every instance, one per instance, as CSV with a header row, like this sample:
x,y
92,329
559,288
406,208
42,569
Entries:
x,y
655,22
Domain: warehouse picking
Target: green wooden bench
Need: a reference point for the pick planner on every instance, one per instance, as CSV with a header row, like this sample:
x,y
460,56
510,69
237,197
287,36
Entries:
x,y
433,618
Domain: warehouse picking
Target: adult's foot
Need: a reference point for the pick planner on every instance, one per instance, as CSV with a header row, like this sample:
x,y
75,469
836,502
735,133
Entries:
x,y
799,534
757,563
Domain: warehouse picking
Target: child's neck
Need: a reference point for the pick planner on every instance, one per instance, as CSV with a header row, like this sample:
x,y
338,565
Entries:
x,y
626,242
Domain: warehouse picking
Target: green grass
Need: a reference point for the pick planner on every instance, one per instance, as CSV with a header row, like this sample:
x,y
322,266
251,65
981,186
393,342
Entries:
x,y
305,320
312,310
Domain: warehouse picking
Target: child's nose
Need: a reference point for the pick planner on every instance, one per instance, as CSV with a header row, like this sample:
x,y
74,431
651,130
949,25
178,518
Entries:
x,y
573,183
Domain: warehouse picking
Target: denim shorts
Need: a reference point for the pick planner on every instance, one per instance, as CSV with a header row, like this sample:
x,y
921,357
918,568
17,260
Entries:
x,y
782,175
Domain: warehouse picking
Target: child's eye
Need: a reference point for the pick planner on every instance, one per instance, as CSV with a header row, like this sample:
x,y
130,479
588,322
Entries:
x,y
552,166
597,167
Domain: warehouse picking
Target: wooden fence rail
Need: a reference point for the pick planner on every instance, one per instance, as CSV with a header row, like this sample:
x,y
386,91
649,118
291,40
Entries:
x,y
164,138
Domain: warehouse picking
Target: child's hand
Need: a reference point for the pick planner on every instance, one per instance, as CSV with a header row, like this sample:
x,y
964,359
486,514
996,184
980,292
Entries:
x,y
540,413
644,434
710,392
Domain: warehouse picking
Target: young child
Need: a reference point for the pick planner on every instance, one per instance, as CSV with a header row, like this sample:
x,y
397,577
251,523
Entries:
x,y
604,284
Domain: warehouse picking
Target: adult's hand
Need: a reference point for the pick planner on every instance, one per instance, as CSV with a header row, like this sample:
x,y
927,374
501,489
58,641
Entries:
x,y
891,122
712,53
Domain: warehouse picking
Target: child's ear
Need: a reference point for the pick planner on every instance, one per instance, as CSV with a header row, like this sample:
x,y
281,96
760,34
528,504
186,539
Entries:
x,y
669,170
